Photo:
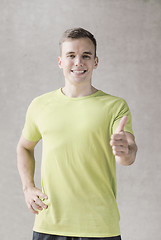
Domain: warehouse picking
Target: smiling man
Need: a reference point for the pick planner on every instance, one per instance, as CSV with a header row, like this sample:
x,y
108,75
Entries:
x,y
78,59
84,132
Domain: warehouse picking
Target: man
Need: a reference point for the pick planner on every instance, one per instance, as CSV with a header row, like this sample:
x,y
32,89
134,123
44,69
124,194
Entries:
x,y
83,131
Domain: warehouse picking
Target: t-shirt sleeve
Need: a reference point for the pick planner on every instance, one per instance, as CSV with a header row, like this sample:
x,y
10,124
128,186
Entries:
x,y
123,110
31,131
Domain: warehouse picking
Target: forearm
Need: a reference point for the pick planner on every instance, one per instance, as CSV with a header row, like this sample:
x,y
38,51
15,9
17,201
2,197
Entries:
x,y
26,166
128,159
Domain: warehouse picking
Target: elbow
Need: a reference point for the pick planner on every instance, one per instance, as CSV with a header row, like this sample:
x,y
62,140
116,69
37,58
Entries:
x,y
18,148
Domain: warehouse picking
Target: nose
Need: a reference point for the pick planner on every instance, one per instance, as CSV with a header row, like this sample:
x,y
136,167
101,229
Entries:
x,y
78,61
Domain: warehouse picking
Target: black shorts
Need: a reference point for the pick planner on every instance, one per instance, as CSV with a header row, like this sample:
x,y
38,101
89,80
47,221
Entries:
x,y
43,236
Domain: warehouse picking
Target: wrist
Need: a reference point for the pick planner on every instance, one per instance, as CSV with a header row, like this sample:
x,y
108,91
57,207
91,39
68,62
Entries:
x,y
28,186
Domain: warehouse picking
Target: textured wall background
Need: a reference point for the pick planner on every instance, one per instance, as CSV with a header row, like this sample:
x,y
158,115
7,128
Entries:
x,y
128,33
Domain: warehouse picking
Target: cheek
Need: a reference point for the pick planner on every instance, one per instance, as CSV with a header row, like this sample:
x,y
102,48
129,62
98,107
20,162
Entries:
x,y
67,64
91,67
67,67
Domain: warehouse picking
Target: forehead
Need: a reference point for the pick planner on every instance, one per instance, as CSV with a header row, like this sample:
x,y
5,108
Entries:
x,y
78,45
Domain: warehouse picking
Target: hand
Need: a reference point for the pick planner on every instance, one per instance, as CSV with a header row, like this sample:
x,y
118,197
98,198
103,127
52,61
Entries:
x,y
119,140
32,197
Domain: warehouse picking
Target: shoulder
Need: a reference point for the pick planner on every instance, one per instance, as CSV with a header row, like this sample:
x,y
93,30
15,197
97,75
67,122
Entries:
x,y
39,103
113,100
43,99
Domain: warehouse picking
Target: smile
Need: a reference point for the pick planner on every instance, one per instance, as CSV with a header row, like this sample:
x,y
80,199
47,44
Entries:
x,y
79,72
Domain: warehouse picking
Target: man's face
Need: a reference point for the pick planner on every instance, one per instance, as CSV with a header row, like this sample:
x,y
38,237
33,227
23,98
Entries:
x,y
78,60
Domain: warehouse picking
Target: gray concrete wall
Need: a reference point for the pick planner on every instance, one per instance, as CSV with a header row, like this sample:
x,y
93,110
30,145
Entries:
x,y
128,34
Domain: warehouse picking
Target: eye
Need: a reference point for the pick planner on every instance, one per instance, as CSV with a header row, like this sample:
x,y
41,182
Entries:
x,y
71,56
86,56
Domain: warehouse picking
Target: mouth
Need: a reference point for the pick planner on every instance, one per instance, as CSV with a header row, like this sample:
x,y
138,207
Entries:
x,y
78,72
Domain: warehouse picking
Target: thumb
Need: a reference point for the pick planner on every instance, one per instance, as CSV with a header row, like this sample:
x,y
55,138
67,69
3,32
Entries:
x,y
122,124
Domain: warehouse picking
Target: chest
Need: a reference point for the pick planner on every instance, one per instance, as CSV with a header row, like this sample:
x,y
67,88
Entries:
x,y
69,119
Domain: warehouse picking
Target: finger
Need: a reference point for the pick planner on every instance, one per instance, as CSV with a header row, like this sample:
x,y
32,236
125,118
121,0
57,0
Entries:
x,y
119,154
36,206
122,149
32,209
119,143
41,194
122,124
40,203
119,136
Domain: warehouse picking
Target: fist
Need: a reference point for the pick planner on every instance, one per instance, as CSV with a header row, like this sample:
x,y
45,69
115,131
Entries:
x,y
119,141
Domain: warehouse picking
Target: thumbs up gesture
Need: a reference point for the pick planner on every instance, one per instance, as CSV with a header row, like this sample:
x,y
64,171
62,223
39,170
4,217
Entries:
x,y
119,140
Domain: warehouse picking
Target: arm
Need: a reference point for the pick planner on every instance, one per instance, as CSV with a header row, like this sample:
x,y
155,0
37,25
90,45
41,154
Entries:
x,y
26,168
123,145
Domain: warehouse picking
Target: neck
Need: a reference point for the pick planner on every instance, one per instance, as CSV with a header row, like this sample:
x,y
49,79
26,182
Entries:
x,y
78,91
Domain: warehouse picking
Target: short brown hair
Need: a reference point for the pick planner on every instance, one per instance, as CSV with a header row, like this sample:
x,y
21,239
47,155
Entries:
x,y
76,33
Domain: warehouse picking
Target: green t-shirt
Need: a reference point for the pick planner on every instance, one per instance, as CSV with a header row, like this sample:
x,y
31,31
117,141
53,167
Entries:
x,y
78,169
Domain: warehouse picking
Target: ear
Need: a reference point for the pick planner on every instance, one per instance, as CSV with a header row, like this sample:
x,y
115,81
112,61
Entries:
x,y
96,62
60,62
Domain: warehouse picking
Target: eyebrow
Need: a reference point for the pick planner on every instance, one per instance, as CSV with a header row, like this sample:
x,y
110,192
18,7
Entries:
x,y
89,53
69,53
